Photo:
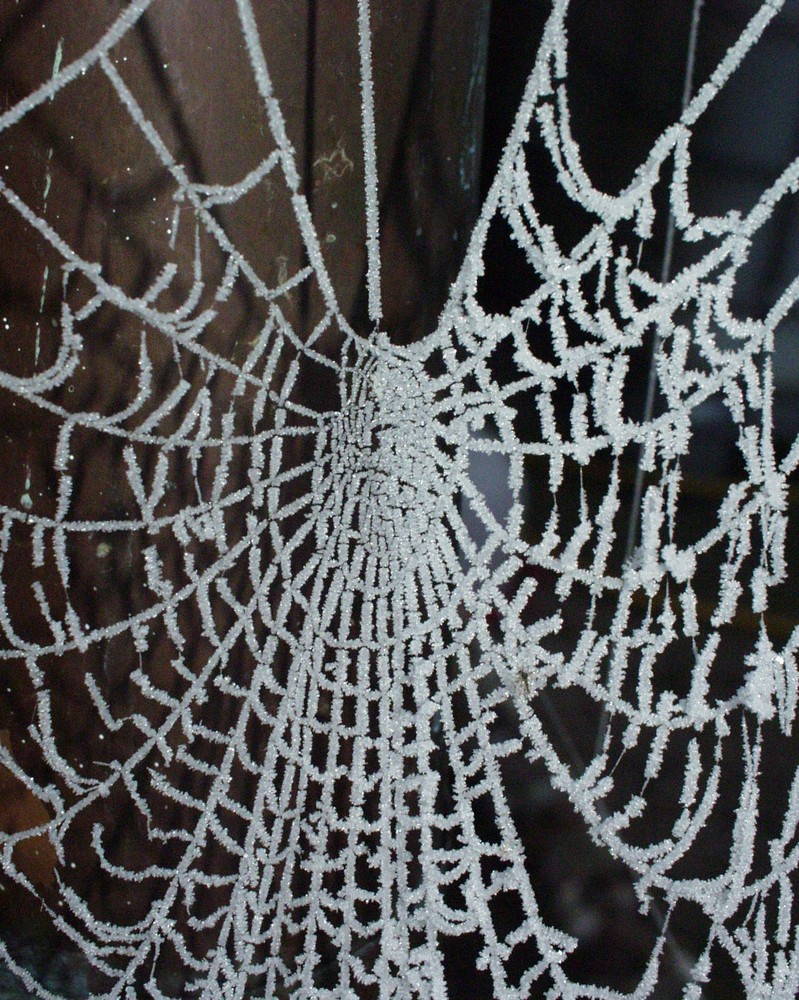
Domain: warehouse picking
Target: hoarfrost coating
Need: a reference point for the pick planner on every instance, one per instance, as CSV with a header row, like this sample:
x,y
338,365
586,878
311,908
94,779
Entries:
x,y
345,601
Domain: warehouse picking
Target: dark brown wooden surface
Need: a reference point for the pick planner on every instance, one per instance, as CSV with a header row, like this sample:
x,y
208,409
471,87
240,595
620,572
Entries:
x,y
80,163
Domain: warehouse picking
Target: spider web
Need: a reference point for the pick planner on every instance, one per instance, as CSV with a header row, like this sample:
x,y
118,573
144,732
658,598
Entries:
x,y
347,641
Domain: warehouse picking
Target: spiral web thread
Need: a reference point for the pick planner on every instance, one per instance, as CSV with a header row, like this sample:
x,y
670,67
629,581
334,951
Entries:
x,y
337,629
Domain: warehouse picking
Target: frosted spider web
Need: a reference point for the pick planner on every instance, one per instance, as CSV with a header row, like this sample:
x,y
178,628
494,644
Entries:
x,y
306,789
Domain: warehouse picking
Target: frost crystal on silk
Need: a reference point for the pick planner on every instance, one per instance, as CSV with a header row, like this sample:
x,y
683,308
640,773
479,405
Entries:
x,y
349,629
